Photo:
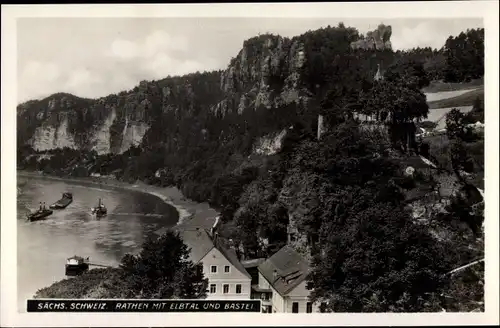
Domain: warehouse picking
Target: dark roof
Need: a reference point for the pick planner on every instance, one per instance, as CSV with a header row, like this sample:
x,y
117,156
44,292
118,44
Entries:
x,y
200,242
291,269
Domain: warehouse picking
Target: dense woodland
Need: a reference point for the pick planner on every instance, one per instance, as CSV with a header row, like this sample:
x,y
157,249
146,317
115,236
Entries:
x,y
347,192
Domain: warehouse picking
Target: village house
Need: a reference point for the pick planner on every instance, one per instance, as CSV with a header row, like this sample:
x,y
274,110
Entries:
x,y
227,278
281,283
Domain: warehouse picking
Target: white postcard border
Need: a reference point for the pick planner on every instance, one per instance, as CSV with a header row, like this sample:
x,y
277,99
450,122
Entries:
x,y
449,9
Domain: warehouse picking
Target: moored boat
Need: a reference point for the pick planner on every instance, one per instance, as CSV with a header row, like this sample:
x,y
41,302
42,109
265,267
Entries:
x,y
76,265
67,198
100,210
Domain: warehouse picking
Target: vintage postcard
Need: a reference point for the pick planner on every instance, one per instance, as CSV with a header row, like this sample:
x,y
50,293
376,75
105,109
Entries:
x,y
250,164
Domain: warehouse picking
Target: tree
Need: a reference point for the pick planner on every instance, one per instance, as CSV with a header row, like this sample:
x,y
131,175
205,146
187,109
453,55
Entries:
x,y
460,160
163,270
409,70
249,220
465,56
375,259
459,209
477,112
398,104
456,126
339,104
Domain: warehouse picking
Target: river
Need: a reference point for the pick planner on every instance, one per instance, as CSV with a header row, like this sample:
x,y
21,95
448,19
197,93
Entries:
x,y
44,246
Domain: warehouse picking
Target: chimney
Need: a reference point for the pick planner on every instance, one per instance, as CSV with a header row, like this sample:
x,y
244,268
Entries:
x,y
275,274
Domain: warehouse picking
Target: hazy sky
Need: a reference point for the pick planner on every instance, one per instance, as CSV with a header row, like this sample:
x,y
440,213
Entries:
x,y
93,57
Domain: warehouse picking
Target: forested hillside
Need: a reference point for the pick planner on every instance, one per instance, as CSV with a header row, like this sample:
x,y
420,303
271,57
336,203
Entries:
x,y
246,140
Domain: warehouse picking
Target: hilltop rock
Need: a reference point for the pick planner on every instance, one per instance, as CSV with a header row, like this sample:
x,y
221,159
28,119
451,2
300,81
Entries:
x,y
377,39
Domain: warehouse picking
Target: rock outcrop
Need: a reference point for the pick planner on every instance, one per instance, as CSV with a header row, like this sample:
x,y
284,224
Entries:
x,y
265,73
270,71
378,39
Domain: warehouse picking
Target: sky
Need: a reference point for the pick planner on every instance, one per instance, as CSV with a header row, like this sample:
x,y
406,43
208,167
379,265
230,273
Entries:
x,y
93,57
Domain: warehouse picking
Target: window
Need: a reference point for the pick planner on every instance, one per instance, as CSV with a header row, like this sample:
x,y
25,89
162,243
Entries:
x,y
295,307
213,269
309,308
226,269
238,289
213,289
225,288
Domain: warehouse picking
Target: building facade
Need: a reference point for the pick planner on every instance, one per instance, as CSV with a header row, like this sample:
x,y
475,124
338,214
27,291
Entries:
x,y
227,278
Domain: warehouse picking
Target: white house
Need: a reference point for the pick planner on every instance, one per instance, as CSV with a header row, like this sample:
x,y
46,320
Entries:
x,y
282,283
227,278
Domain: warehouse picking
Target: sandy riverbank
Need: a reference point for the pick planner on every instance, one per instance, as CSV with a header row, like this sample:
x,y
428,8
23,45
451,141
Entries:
x,y
191,214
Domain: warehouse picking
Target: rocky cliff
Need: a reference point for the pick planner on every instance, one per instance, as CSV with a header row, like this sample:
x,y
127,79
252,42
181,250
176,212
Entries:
x,y
114,123
268,72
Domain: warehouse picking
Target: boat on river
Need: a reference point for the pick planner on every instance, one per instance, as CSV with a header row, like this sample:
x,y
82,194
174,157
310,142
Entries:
x,y
67,198
100,210
76,265
40,214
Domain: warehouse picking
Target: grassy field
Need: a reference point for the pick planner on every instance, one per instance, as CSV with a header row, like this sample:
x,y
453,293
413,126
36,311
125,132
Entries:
x,y
443,97
439,86
460,100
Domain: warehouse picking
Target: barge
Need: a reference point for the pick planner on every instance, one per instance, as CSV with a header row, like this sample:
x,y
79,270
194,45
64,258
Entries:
x,y
67,198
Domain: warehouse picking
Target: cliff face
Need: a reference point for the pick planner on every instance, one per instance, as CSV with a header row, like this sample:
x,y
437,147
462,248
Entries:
x,y
268,72
67,121
114,123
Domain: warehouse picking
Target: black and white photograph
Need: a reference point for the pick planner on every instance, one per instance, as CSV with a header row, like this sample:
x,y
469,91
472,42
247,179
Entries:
x,y
288,164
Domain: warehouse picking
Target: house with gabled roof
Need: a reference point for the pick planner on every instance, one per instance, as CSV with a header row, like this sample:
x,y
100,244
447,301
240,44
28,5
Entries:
x,y
227,277
283,278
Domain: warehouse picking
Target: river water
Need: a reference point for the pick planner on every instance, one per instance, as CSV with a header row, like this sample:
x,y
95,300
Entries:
x,y
44,246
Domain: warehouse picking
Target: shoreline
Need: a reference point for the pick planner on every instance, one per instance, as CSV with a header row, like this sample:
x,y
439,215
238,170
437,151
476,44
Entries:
x,y
190,214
